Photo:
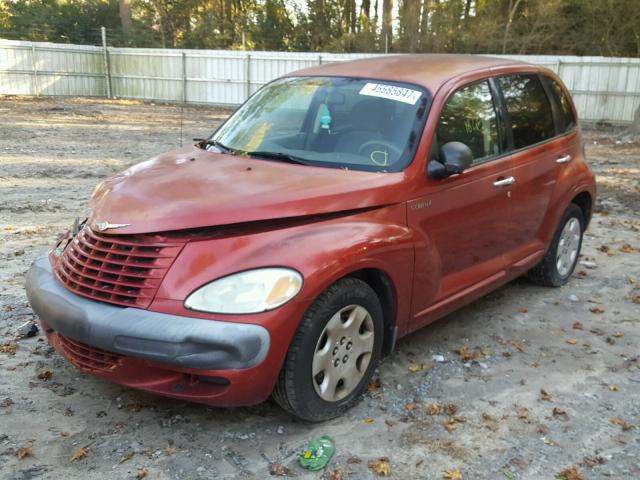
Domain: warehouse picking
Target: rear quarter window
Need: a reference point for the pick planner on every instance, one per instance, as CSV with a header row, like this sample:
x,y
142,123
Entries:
x,y
530,113
566,119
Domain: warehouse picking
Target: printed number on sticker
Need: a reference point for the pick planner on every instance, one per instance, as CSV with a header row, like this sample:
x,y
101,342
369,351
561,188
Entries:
x,y
391,92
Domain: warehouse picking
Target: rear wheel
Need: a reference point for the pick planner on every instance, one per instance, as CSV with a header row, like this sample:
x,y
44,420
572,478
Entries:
x,y
562,256
333,353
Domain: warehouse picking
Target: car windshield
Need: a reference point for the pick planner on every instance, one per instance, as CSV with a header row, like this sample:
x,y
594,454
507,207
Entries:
x,y
335,122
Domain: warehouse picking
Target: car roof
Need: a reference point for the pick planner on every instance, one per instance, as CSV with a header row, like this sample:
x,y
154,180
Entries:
x,y
427,70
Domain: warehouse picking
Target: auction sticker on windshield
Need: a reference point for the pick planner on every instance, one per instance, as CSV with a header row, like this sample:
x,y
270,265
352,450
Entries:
x,y
391,92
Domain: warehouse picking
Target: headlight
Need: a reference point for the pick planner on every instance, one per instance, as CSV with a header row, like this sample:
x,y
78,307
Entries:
x,y
252,291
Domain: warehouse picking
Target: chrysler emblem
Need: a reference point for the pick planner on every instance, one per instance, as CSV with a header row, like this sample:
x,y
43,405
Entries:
x,y
102,226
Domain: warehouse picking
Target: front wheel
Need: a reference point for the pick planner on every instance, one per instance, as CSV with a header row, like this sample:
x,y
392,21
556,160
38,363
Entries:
x,y
333,353
562,256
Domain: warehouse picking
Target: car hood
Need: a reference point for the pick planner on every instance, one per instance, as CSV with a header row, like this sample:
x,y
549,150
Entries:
x,y
193,188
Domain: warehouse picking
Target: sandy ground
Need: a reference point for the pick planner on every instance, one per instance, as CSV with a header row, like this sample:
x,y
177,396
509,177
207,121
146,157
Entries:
x,y
578,343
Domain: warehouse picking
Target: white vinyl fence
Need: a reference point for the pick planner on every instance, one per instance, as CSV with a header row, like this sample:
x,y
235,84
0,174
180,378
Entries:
x,y
604,89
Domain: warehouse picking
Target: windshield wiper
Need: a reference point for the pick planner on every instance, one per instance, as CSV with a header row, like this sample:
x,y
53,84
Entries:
x,y
283,157
220,146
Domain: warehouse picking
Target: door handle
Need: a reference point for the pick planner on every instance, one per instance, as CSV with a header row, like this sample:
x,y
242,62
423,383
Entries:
x,y
504,182
564,159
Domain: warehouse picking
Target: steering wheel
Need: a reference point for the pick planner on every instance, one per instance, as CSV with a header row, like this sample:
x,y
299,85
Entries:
x,y
383,158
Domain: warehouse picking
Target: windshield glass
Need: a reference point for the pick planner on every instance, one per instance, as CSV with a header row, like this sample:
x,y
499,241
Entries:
x,y
329,121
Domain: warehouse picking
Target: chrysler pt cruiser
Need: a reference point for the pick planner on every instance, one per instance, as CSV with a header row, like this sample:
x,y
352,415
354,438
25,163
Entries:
x,y
338,209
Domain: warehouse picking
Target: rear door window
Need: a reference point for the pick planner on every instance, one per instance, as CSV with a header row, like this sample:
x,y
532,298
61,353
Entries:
x,y
470,117
566,119
530,113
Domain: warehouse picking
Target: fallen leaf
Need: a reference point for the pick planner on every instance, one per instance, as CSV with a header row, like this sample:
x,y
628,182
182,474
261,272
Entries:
x,y
64,434
577,326
451,409
368,420
452,474
518,345
333,475
618,334
450,427
410,407
570,473
79,454
169,450
467,355
548,441
622,423
523,414
380,467
607,249
278,469
596,310
593,460
572,341
544,395
10,348
127,456
433,408
627,248
24,452
613,388
419,367
374,384
354,460
635,299
141,473
45,375
506,354
523,310
457,420
558,412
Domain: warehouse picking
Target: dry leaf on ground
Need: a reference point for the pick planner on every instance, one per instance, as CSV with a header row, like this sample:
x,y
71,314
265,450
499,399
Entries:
x,y
10,348
570,473
466,355
141,473
278,470
381,466
452,474
577,326
79,454
544,395
169,450
45,375
433,408
622,423
628,248
333,475
419,367
24,452
596,310
593,460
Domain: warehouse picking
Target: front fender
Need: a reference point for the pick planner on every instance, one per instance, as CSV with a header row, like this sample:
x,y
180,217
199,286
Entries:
x,y
322,251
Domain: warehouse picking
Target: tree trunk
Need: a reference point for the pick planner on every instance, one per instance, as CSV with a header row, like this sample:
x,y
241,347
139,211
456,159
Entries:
x,y
125,17
424,25
512,12
635,125
387,23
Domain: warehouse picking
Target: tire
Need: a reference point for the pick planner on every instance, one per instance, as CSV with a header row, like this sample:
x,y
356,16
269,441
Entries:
x,y
301,393
550,272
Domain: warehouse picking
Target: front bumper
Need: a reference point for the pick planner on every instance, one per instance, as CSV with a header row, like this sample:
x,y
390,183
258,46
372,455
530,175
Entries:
x,y
184,342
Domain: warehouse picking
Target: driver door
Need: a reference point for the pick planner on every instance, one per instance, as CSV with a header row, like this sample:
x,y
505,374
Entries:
x,y
462,219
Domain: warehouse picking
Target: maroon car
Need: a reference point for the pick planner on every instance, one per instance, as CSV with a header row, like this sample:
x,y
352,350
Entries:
x,y
339,208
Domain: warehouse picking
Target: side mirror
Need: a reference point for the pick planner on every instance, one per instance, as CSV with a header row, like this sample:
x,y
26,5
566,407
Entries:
x,y
454,158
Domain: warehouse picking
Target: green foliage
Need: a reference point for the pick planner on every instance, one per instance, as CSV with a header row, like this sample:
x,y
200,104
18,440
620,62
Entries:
x,y
580,27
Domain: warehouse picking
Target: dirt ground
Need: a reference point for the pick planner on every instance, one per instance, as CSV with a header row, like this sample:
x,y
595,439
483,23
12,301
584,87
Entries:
x,y
551,377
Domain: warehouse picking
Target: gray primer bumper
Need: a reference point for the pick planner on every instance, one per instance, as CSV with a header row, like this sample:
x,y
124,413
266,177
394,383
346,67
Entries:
x,y
177,340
